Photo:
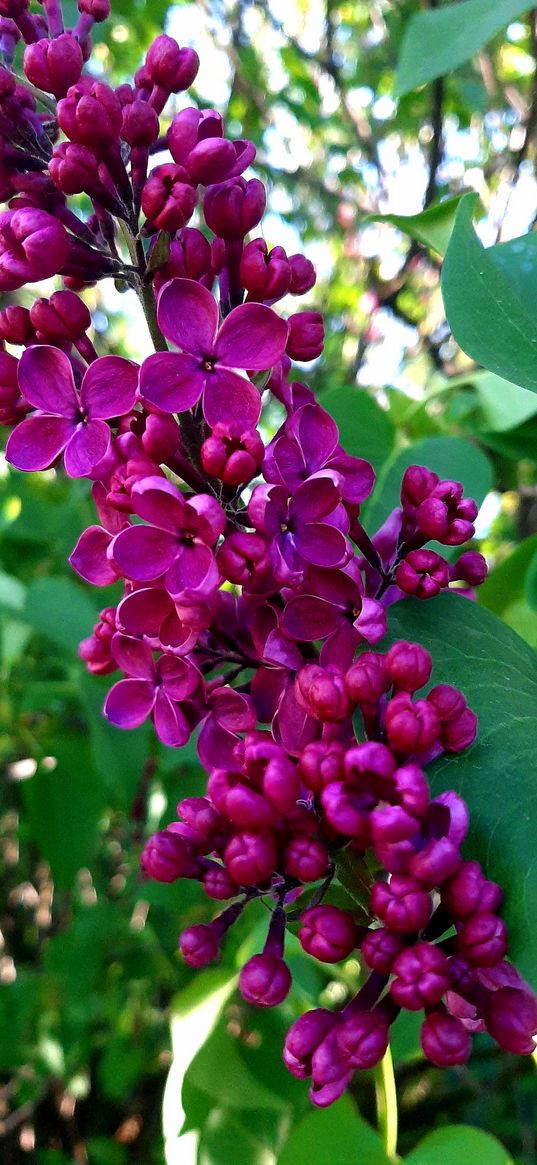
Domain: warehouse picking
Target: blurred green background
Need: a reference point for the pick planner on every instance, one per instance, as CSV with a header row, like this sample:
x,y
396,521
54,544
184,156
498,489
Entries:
x,y
102,1028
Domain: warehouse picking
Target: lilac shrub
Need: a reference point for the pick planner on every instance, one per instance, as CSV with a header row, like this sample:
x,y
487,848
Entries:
x,y
252,595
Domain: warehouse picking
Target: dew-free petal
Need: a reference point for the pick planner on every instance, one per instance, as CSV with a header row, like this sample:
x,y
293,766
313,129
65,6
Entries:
x,y
88,444
38,441
251,336
109,387
46,380
172,381
129,703
188,315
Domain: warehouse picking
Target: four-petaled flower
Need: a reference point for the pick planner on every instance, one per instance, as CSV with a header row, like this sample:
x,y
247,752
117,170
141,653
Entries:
x,y
251,337
152,687
67,421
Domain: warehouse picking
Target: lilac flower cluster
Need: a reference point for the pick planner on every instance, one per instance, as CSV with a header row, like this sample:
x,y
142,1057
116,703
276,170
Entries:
x,y
251,593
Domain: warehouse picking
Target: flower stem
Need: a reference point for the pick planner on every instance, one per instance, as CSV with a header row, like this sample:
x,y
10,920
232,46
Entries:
x,y
144,290
386,1098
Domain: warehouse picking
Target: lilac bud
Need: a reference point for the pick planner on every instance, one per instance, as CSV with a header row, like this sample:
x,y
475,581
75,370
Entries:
x,y
391,824
33,246
233,208
438,860
321,692
243,557
165,857
91,115
328,933
380,949
461,894
16,325
169,67
303,1038
471,568
444,1040
370,767
251,858
422,573
265,980
140,124
483,939
411,727
459,734
321,763
348,812
363,1039
305,859
408,666
412,789
99,10
218,884
303,274
168,198
199,945
417,484
13,407
402,904
265,274
62,317
511,1019
232,453
421,977
54,65
306,336
366,680
201,815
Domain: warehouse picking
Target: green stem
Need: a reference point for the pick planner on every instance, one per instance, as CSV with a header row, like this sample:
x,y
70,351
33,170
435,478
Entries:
x,y
143,290
386,1098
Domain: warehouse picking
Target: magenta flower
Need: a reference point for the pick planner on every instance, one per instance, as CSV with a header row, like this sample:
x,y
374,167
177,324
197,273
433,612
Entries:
x,y
67,421
310,527
307,443
152,688
252,336
178,542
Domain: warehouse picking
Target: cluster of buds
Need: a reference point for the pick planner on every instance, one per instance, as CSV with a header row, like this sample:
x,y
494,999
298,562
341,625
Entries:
x,y
250,592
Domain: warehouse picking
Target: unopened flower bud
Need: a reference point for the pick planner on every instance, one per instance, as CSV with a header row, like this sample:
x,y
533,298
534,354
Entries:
x,y
306,336
444,1040
265,980
408,666
328,933
422,573
421,976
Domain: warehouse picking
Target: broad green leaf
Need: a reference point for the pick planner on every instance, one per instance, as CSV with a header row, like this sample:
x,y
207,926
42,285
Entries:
x,y
432,228
497,672
438,41
506,582
450,457
61,610
64,802
12,593
365,429
531,584
459,1145
118,757
333,1135
503,405
227,1141
488,313
219,1070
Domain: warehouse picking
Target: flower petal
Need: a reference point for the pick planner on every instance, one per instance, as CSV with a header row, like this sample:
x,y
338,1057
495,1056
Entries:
x,y
158,501
314,499
142,611
109,387
129,703
179,678
133,657
228,397
188,315
171,725
171,381
251,336
193,572
307,617
89,557
38,441
321,544
143,552
86,447
318,435
46,380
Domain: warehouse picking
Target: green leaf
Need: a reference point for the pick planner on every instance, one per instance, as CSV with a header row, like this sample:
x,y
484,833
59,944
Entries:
x,y
503,405
219,1070
333,1135
119,757
63,807
438,41
12,593
506,582
497,672
485,304
432,228
60,610
365,429
459,1145
450,457
531,584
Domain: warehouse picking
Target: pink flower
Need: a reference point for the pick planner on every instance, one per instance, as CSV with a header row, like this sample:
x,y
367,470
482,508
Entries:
x,y
67,421
150,689
252,336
